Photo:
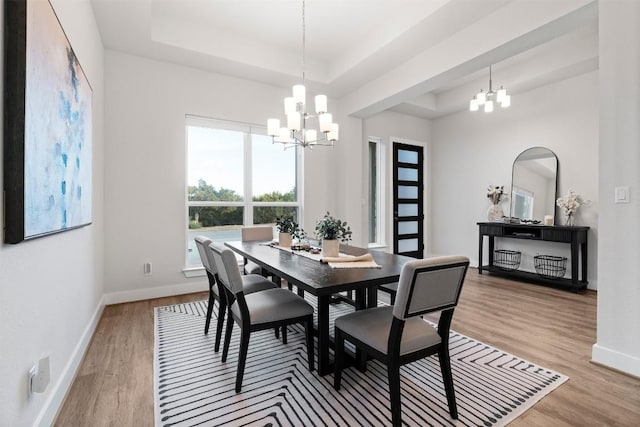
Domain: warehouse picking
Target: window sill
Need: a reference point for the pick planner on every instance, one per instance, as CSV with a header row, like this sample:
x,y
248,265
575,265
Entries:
x,y
193,272
376,246
190,272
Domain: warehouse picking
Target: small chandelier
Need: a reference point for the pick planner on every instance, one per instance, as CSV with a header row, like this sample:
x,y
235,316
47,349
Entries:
x,y
486,99
295,108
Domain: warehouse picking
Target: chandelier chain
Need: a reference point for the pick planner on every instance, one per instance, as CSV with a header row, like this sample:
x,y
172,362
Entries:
x,y
490,83
296,133
304,31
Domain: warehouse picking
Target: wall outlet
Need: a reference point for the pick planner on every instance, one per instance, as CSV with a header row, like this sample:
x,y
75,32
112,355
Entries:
x,y
146,268
39,376
621,195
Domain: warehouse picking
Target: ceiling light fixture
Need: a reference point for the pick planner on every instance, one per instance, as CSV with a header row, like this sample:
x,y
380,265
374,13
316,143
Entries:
x,y
487,99
296,132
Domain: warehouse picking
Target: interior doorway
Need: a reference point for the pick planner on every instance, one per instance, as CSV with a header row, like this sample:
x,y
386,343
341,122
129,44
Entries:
x,y
408,200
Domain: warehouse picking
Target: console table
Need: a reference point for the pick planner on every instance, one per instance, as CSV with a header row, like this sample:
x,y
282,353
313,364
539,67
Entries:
x,y
575,236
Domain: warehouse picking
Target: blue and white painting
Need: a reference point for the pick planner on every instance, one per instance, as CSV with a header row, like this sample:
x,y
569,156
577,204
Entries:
x,y
57,187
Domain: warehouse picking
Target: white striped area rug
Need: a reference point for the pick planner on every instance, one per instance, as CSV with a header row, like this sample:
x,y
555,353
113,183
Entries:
x,y
194,388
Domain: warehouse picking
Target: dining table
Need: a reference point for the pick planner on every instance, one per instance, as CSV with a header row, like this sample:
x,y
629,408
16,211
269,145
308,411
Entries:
x,y
323,281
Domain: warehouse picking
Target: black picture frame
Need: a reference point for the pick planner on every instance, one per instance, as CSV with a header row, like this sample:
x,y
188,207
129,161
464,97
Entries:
x,y
47,142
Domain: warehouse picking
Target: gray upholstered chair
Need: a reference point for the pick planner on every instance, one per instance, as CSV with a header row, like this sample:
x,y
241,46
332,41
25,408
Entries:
x,y
251,283
396,335
255,234
272,308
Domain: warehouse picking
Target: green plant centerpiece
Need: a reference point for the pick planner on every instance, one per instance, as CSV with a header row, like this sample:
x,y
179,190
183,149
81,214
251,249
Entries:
x,y
288,228
331,231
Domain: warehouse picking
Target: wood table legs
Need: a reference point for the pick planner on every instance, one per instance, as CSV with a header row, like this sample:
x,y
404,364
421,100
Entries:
x,y
323,335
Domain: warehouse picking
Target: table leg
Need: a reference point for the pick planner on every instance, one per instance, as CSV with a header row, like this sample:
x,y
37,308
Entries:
x,y
372,297
491,246
480,247
583,257
323,335
574,263
361,299
275,279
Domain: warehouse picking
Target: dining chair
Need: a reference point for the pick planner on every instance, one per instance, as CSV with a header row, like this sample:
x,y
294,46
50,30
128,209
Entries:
x,y
397,335
251,283
255,234
271,308
391,289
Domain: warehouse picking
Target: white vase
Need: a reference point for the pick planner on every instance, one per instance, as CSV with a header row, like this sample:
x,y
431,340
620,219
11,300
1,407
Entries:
x,y
330,248
284,240
495,213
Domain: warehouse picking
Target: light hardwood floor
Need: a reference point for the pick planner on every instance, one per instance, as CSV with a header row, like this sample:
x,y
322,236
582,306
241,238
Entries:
x,y
550,327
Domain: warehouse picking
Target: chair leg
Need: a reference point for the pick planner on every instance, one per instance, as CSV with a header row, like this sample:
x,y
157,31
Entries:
x,y
393,373
219,326
338,358
209,312
308,330
393,298
227,336
447,379
242,358
284,334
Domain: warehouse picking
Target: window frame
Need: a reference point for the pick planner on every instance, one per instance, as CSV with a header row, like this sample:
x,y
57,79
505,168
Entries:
x,y
380,193
248,204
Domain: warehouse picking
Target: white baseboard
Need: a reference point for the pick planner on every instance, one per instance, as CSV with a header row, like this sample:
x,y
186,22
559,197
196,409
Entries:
x,y
615,360
56,397
157,292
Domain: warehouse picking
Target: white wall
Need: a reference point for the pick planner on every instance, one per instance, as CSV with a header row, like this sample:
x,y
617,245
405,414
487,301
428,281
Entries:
x,y
618,343
390,126
350,166
471,151
146,104
51,288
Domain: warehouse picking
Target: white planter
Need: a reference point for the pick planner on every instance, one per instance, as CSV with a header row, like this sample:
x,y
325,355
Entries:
x,y
284,240
330,248
495,213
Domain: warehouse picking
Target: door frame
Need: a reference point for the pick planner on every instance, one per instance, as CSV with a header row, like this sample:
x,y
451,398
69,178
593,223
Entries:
x,y
420,218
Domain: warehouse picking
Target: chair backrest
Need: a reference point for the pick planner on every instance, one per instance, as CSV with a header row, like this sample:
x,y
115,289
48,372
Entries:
x,y
227,266
202,243
430,284
257,233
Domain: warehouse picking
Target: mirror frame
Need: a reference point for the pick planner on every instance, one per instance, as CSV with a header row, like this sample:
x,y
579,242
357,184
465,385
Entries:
x,y
512,201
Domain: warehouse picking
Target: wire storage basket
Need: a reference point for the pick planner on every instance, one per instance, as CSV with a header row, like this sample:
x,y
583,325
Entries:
x,y
550,266
506,260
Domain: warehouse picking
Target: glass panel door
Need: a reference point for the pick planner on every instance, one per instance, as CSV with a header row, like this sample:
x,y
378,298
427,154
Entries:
x,y
408,197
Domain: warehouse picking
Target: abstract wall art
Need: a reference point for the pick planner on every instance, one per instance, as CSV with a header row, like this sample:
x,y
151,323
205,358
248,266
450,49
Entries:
x,y
47,126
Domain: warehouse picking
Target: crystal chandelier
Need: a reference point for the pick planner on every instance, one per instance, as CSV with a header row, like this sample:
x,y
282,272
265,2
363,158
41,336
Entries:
x,y
487,99
295,108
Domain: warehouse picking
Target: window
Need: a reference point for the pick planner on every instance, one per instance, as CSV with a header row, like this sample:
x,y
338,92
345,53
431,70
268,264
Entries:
x,y
522,203
376,193
235,176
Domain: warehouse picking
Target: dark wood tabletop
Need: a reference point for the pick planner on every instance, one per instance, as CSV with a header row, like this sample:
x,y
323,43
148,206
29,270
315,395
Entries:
x,y
321,280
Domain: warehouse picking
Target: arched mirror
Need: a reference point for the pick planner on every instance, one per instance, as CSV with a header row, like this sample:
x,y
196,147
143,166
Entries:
x,y
533,185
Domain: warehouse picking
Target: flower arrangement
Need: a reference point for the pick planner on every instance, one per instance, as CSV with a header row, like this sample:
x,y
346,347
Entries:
x,y
570,204
495,193
286,224
330,228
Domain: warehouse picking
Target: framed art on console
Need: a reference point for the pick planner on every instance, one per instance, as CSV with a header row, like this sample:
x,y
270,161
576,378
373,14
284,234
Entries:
x,y
47,126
